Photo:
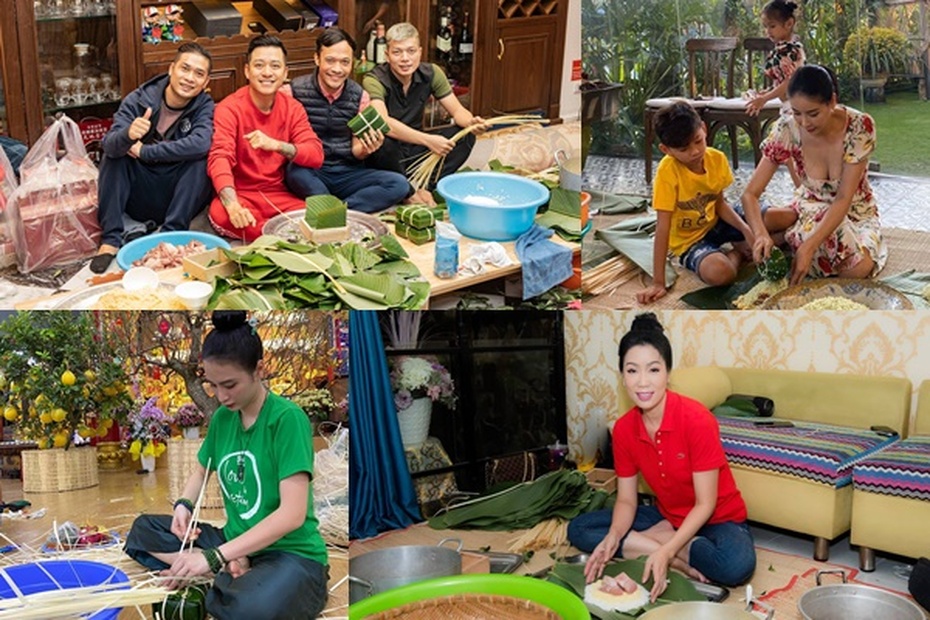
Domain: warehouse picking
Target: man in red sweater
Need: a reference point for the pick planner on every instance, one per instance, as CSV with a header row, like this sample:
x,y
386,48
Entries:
x,y
257,131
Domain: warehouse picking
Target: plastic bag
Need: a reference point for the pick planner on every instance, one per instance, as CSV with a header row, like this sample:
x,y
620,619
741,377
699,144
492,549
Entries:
x,y
8,186
53,214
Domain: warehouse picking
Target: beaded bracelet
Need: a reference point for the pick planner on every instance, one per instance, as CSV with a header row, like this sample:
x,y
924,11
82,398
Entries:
x,y
212,560
183,501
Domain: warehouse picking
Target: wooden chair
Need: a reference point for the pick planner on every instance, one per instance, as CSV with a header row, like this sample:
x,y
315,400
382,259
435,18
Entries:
x,y
711,63
732,114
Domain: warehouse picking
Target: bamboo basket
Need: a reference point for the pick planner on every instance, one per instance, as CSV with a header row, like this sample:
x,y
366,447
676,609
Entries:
x,y
57,469
470,607
182,457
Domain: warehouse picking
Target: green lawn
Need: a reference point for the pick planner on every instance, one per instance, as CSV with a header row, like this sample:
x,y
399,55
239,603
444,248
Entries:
x,y
903,134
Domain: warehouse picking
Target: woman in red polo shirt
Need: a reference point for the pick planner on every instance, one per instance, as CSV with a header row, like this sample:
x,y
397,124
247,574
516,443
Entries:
x,y
698,524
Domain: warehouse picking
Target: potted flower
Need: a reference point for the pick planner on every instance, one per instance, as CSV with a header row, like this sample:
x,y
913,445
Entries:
x,y
873,54
317,403
147,433
418,382
189,418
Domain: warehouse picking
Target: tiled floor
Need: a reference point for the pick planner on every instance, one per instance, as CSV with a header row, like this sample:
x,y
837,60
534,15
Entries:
x,y
890,572
903,202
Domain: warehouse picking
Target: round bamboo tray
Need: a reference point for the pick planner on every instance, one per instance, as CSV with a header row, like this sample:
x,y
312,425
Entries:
x,y
470,607
182,457
57,469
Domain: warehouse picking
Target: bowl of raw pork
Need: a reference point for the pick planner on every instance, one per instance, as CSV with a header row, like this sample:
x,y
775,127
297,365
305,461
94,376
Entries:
x,y
493,206
166,250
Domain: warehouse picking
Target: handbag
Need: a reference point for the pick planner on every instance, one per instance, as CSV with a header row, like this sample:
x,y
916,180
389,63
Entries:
x,y
52,215
515,468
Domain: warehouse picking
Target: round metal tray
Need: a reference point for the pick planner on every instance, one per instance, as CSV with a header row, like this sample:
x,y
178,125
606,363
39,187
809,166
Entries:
x,y
875,295
87,298
363,227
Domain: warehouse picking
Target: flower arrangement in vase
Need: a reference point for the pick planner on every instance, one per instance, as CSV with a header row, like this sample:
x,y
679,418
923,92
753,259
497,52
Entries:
x,y
147,431
418,382
317,403
189,418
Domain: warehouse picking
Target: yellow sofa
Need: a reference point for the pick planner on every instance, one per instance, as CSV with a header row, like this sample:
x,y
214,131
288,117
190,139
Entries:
x,y
785,501
894,523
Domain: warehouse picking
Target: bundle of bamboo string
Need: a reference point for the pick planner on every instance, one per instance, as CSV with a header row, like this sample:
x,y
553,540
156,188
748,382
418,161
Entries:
x,y
549,533
331,487
609,275
430,163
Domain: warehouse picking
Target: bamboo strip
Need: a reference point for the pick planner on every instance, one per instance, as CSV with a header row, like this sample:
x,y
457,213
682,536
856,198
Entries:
x,y
424,167
72,602
196,514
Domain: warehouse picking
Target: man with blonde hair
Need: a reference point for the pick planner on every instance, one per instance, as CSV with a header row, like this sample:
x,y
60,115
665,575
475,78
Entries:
x,y
400,90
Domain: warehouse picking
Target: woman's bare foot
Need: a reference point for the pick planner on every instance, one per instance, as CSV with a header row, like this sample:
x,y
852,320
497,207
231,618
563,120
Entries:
x,y
683,567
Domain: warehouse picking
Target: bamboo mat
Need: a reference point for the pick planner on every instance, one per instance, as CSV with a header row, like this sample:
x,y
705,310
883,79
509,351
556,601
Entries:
x,y
907,249
778,579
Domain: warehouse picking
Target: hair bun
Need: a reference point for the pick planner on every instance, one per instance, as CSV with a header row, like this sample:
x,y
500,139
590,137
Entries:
x,y
646,322
228,320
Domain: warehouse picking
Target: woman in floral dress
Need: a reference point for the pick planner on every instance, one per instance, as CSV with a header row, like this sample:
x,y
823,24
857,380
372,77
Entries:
x,y
832,222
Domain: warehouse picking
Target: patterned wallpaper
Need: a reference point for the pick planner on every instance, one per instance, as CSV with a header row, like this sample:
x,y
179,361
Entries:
x,y
865,343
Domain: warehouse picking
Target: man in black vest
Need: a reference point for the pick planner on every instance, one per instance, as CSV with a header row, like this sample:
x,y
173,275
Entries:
x,y
331,100
400,90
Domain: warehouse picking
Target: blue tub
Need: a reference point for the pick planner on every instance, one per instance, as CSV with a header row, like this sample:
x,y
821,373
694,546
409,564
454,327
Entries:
x,y
470,196
30,579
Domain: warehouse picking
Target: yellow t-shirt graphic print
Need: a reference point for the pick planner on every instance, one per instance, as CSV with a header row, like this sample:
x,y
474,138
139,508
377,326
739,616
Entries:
x,y
691,197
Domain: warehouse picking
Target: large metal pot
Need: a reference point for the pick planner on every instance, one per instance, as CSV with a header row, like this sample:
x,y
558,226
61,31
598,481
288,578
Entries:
x,y
569,171
377,571
854,602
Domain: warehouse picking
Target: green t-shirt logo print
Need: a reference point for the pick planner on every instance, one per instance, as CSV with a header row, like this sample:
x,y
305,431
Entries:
x,y
245,489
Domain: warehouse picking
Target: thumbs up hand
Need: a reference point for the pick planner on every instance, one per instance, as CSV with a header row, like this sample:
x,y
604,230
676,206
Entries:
x,y
141,125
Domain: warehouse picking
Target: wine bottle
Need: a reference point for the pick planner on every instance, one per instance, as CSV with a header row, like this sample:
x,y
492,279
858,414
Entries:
x,y
444,39
370,47
380,45
466,40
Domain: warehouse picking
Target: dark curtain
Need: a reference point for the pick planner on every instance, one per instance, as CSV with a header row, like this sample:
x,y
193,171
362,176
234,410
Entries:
x,y
381,493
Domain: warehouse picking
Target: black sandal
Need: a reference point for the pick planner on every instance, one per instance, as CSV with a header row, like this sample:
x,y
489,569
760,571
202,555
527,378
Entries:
x,y
99,263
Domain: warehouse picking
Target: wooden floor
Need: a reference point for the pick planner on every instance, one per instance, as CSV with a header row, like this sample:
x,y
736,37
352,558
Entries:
x,y
120,497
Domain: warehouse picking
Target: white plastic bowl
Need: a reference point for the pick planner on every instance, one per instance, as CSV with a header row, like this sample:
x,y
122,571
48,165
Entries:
x,y
139,278
194,295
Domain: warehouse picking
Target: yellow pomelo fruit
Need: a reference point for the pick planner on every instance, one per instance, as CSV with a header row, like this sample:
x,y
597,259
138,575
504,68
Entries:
x,y
68,378
61,439
90,375
10,413
45,417
59,414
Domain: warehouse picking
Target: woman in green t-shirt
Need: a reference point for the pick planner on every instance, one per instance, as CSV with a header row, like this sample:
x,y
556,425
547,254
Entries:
x,y
269,559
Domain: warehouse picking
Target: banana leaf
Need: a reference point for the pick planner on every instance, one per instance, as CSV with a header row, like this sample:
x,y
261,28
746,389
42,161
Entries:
x,y
418,299
251,299
634,239
299,263
561,494
911,283
571,577
301,248
391,247
251,258
325,211
400,268
380,288
722,297
360,256
565,202
612,204
258,273
313,284
357,302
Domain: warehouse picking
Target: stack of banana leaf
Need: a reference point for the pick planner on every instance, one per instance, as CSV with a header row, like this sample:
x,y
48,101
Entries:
x,y
274,274
563,493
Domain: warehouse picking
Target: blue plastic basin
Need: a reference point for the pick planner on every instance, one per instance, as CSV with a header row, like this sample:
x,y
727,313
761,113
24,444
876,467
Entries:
x,y
516,198
30,579
134,250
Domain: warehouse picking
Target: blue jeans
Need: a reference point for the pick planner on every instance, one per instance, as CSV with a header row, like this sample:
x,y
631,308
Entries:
x,y
722,552
721,233
363,189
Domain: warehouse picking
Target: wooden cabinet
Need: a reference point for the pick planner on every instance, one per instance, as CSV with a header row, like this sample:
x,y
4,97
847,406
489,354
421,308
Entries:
x,y
516,65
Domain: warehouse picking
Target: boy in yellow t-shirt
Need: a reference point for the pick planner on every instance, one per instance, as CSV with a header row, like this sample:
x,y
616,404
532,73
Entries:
x,y
693,219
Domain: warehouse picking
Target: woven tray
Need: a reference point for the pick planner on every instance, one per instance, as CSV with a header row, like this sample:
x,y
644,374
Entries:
x,y
182,457
56,470
470,607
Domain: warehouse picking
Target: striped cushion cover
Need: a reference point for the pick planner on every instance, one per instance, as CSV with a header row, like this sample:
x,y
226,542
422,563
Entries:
x,y
818,452
902,470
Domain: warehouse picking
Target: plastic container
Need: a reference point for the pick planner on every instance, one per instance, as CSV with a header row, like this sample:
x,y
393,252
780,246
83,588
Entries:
x,y
32,578
492,206
194,295
134,250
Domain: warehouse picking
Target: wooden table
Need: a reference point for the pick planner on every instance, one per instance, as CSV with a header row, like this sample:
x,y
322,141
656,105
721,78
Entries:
x,y
423,256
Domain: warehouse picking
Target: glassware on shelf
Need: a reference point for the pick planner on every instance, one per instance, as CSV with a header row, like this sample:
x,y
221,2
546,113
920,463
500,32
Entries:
x,y
78,8
63,92
83,59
